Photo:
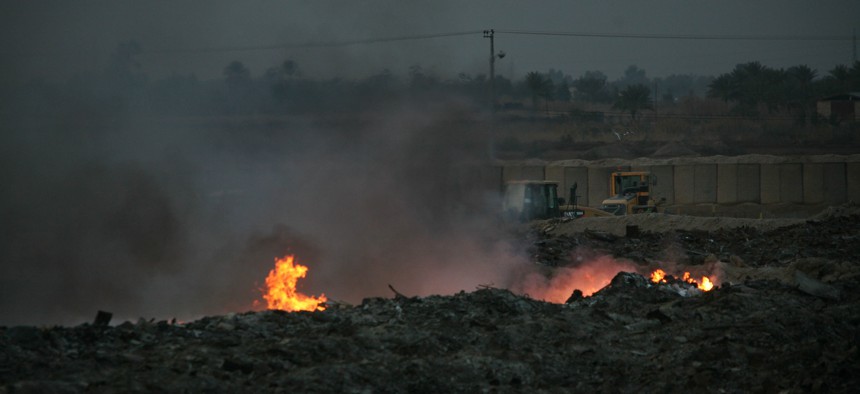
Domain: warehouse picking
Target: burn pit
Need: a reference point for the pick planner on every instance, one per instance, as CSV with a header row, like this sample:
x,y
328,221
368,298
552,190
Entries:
x,y
633,335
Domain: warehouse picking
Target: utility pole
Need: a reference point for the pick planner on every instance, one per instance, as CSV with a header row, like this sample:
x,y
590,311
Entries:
x,y
854,43
491,141
489,34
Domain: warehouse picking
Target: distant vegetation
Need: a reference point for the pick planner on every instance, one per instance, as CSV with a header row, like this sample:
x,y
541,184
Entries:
x,y
752,99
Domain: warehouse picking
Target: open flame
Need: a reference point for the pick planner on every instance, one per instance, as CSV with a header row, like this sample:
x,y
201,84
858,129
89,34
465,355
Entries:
x,y
281,293
659,276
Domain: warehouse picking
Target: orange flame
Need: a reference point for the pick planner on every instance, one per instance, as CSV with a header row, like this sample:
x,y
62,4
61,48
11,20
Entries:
x,y
659,276
281,288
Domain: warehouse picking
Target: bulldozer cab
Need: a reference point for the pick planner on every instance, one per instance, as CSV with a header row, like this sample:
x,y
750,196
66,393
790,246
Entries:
x,y
530,200
630,193
635,183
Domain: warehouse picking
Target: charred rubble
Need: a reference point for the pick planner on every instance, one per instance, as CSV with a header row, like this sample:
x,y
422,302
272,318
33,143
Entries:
x,y
752,335
835,238
761,336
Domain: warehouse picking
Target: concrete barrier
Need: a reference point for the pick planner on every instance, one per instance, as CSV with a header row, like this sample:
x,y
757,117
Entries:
x,y
727,183
684,181
813,183
769,183
520,173
749,183
852,178
835,183
705,183
815,180
555,173
791,182
738,183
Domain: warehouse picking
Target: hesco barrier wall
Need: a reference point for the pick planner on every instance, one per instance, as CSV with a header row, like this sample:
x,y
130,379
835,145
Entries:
x,y
757,179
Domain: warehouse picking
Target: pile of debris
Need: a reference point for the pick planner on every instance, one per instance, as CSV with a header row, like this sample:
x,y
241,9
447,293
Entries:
x,y
834,238
631,336
751,334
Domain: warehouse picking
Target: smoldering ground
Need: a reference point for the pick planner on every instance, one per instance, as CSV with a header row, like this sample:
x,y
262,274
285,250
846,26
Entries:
x,y
161,217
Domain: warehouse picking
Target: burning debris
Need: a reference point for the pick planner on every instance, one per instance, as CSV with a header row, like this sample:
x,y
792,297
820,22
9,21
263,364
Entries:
x,y
631,336
659,276
281,293
792,332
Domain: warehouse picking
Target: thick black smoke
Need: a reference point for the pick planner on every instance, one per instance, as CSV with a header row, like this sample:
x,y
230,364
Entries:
x,y
155,216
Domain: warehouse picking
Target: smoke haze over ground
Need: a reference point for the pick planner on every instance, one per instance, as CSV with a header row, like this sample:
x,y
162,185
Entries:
x,y
143,177
149,216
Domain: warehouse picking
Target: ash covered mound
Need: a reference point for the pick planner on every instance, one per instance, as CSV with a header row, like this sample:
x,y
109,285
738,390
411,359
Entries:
x,y
631,336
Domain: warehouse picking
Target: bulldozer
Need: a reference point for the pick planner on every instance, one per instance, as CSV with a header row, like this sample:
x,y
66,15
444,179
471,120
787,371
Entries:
x,y
537,200
631,193
528,200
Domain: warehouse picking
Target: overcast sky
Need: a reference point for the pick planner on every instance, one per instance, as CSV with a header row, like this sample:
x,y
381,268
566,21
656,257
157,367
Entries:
x,y
52,38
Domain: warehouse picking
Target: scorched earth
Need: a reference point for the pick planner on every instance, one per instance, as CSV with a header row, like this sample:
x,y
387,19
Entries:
x,y
786,318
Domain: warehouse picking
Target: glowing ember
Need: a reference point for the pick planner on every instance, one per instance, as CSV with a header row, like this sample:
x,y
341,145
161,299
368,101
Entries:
x,y
281,288
659,276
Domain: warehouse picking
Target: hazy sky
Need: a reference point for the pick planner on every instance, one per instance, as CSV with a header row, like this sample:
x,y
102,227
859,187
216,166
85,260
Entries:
x,y
46,37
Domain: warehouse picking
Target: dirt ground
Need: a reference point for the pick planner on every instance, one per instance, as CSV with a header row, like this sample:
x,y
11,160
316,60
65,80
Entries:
x,y
785,318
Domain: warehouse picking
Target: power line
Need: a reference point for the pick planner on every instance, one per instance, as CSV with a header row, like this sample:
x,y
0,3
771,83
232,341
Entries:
x,y
317,44
368,41
251,48
331,44
681,36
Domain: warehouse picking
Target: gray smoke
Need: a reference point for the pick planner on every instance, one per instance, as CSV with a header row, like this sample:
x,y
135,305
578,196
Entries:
x,y
164,217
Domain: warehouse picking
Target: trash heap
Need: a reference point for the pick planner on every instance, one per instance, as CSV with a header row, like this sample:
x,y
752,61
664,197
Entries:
x,y
790,324
630,336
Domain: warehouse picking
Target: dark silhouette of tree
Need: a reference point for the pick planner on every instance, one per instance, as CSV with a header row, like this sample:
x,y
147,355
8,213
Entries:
x,y
633,75
749,86
723,87
236,73
680,85
282,80
799,91
420,80
591,87
239,87
634,99
854,77
562,92
538,87
290,69
842,79
757,84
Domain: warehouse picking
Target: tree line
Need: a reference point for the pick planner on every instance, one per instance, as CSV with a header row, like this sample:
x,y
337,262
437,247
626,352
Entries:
x,y
754,89
750,89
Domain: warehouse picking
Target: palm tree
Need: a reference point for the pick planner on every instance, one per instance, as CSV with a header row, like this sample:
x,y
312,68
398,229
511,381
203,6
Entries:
x,y
538,86
591,86
633,99
798,90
